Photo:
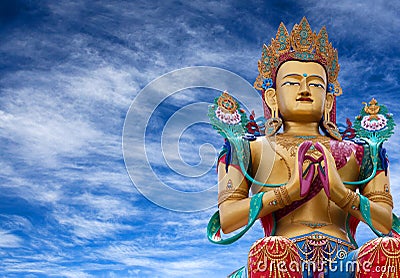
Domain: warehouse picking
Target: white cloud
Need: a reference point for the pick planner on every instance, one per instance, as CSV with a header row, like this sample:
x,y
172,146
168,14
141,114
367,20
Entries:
x,y
8,240
90,229
371,17
107,207
40,135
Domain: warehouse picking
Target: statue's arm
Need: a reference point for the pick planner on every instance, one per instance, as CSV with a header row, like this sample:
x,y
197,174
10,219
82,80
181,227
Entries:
x,y
381,204
233,200
233,191
380,207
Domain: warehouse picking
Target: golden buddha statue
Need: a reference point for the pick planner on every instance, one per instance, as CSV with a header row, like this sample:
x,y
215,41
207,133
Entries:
x,y
308,188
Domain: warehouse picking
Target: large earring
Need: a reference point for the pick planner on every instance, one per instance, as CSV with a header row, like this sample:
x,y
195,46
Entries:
x,y
330,127
273,124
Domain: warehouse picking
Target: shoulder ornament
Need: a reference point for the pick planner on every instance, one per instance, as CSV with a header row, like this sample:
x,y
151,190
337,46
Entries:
x,y
230,121
373,126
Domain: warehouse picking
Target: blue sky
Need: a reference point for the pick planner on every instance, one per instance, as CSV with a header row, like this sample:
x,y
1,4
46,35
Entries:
x,y
69,72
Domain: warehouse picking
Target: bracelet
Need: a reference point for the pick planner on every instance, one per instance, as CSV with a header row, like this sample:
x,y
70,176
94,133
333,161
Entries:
x,y
352,205
345,201
282,197
285,195
349,200
279,199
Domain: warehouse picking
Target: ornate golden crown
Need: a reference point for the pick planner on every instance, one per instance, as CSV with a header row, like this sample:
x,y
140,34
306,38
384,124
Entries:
x,y
302,44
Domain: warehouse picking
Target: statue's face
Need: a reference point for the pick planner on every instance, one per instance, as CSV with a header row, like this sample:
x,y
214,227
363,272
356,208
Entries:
x,y
301,91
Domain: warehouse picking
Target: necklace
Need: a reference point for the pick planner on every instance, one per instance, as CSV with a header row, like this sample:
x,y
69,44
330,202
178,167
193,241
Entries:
x,y
290,143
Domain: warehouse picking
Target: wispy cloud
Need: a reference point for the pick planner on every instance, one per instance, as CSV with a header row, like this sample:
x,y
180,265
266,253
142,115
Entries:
x,y
8,240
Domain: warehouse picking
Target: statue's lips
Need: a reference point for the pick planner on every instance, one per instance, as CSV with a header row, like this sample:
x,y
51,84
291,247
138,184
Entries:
x,y
306,99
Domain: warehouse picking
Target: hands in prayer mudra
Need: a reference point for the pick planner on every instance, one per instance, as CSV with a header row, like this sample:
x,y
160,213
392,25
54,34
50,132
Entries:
x,y
310,190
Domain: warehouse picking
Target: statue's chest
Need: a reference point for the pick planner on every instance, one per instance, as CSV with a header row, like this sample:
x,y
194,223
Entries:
x,y
342,151
287,146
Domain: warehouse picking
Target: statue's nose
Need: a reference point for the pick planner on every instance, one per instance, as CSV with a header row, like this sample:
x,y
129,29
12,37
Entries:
x,y
304,91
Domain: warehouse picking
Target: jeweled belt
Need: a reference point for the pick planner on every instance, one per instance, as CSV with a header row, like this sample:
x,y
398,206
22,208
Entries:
x,y
320,249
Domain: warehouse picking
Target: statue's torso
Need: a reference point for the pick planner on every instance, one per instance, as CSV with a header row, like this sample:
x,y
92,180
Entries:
x,y
273,161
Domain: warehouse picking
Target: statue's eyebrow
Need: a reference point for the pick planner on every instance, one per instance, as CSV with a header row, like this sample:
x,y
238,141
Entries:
x,y
292,74
299,75
317,76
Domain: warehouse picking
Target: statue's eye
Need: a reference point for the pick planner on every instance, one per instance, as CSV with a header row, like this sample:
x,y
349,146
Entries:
x,y
316,85
291,83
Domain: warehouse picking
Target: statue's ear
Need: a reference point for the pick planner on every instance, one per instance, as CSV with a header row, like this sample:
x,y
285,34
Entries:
x,y
329,102
270,99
